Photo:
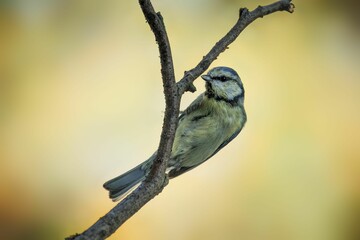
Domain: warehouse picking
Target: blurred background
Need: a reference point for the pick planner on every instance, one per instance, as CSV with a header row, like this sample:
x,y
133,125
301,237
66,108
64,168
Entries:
x,y
81,102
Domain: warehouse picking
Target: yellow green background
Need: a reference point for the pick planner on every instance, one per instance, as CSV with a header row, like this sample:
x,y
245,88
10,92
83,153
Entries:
x,y
81,102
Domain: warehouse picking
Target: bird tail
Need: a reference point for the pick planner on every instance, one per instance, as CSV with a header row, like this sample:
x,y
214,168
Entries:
x,y
120,186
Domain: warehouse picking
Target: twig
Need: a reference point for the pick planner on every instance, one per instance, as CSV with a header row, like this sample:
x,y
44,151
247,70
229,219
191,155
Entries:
x,y
245,18
157,179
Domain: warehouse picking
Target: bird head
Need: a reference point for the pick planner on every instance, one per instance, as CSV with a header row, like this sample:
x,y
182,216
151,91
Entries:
x,y
225,84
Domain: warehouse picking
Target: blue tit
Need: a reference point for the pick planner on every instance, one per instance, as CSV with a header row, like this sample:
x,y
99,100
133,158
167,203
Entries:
x,y
210,122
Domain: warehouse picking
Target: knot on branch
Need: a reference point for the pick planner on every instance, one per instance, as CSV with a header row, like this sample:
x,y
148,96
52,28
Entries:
x,y
291,8
288,6
243,12
190,87
160,17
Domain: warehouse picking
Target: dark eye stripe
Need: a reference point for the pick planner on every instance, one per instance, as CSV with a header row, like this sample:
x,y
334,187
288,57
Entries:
x,y
221,78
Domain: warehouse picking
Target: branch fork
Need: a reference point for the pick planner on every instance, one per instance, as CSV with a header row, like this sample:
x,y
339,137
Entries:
x,y
157,179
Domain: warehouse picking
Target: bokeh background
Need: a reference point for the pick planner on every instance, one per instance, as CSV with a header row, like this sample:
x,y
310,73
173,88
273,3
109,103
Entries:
x,y
81,102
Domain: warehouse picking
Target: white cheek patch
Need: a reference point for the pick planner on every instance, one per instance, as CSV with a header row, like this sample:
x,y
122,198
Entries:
x,y
230,90
233,91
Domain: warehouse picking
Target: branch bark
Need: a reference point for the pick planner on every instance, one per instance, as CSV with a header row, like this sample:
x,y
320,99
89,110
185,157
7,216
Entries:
x,y
173,91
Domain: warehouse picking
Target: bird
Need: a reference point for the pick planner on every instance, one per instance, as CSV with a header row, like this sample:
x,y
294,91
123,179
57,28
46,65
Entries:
x,y
207,125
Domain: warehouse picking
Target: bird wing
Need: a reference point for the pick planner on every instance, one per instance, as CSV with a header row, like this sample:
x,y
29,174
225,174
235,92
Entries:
x,y
193,106
225,142
176,172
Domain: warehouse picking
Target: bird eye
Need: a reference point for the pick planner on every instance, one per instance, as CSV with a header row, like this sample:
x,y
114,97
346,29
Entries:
x,y
223,78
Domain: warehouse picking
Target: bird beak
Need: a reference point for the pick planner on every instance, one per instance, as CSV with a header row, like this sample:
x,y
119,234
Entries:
x,y
207,78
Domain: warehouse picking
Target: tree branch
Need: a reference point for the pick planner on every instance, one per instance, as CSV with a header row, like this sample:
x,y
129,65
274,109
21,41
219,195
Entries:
x,y
172,98
245,18
156,179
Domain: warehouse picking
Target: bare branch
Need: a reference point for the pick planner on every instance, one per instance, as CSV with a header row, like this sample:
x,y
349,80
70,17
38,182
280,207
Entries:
x,y
157,179
172,97
245,18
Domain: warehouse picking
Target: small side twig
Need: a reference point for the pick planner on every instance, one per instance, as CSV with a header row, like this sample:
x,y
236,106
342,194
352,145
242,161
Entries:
x,y
245,18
